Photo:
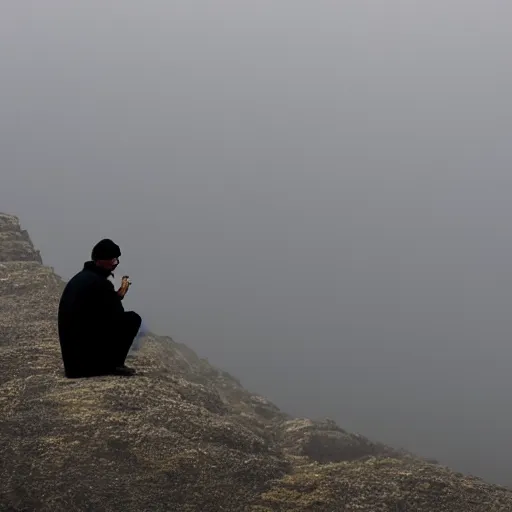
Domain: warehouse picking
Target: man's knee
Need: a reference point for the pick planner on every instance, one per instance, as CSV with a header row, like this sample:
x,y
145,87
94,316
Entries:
x,y
133,319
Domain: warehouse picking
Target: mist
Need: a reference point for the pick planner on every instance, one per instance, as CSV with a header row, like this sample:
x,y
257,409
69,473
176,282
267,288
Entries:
x,y
315,196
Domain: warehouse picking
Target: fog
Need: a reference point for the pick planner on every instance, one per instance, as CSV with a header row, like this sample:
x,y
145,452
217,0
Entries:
x,y
316,196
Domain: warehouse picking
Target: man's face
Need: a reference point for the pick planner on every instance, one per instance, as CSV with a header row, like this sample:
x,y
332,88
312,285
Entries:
x,y
110,265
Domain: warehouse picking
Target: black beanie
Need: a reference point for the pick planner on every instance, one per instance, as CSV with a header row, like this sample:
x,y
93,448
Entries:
x,y
105,250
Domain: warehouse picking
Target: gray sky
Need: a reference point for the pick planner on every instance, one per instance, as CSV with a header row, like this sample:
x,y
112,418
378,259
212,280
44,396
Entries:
x,y
313,195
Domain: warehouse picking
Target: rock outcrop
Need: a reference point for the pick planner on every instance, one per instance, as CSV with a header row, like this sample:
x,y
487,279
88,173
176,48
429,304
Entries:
x,y
15,243
182,435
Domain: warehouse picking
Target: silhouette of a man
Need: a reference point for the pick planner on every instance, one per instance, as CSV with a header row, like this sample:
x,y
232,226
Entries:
x,y
95,332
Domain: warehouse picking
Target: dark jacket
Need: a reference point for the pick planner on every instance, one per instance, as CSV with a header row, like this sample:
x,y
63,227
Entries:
x,y
90,311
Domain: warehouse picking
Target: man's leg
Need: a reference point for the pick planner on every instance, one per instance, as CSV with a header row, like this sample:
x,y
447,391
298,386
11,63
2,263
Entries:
x,y
130,325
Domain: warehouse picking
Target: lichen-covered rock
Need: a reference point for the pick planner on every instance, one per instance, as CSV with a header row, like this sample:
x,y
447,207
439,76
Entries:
x,y
382,485
324,441
15,244
181,435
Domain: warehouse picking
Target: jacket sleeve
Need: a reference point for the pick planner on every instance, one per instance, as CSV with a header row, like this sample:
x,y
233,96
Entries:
x,y
108,302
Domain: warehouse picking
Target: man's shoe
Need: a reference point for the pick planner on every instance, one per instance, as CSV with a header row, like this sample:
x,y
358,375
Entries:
x,y
123,370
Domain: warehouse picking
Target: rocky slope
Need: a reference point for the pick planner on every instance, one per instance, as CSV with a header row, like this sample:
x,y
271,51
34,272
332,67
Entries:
x,y
182,435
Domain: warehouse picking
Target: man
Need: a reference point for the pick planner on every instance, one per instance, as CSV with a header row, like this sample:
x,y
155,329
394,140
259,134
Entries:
x,y
95,332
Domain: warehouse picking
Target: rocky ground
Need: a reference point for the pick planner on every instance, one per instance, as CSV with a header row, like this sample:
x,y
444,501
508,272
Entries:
x,y
180,436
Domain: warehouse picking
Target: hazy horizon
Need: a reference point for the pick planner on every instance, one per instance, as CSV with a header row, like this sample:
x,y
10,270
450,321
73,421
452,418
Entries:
x,y
314,196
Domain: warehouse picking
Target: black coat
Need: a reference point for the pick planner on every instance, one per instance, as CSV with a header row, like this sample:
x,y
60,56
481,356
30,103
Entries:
x,y
90,312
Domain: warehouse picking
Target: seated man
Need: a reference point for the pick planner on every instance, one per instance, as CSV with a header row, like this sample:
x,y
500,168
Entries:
x,y
95,332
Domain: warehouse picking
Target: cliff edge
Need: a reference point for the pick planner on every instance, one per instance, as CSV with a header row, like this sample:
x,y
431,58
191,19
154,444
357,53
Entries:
x,y
180,436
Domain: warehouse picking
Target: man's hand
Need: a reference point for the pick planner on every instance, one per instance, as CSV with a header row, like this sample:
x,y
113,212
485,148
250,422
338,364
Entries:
x,y
125,284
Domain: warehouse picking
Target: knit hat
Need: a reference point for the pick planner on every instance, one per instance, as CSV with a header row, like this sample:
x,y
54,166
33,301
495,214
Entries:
x,y
105,250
